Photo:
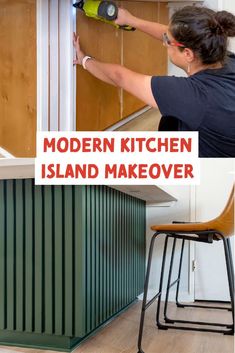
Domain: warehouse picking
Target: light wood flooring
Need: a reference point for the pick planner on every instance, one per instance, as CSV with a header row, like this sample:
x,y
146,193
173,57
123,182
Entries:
x,y
145,122
120,335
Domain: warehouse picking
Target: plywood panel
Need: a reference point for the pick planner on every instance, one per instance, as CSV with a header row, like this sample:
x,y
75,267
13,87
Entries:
x,y
18,76
98,104
143,53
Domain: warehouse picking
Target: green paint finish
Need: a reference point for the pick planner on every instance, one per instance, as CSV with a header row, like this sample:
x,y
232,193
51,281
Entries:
x,y
58,259
10,256
71,257
29,258
20,250
2,258
48,259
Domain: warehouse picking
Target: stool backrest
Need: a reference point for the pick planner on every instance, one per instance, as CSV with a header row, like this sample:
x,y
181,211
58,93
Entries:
x,y
225,221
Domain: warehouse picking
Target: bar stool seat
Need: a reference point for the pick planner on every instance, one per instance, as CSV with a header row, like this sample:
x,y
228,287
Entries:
x,y
219,228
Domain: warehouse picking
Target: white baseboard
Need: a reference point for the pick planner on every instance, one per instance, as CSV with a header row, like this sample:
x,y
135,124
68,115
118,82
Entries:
x,y
128,119
5,154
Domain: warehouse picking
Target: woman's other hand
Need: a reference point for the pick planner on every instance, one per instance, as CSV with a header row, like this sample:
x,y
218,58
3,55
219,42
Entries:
x,y
124,17
79,53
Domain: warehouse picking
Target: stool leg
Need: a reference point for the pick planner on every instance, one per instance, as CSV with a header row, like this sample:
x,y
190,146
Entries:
x,y
160,326
179,276
231,259
230,279
145,293
169,282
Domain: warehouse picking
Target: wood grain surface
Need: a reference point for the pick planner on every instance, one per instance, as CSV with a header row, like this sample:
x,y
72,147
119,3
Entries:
x,y
18,76
120,335
100,105
143,53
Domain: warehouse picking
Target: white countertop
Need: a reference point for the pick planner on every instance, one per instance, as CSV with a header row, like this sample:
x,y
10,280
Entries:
x,y
152,194
23,168
16,168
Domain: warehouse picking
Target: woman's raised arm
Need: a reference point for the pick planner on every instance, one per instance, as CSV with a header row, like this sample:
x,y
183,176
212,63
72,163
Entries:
x,y
154,29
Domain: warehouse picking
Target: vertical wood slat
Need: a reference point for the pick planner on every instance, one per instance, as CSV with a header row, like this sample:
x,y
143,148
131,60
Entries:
x,y
2,257
29,259
48,263
54,65
19,243
68,270
58,277
88,257
80,316
38,249
10,257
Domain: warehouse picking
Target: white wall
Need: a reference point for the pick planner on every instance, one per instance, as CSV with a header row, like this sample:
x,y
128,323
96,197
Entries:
x,y
177,211
211,196
229,5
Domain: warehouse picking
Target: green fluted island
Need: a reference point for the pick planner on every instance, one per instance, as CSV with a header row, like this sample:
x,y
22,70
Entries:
x,y
71,258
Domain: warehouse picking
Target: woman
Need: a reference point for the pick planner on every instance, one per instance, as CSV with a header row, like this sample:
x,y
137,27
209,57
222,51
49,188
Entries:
x,y
196,40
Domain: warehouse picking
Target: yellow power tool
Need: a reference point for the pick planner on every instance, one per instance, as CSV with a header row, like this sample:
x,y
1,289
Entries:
x,y
105,11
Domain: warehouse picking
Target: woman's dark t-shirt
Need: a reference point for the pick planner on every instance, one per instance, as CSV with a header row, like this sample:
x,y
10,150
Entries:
x,y
203,102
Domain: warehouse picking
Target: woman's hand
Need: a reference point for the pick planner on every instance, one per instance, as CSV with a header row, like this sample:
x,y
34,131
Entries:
x,y
79,53
124,17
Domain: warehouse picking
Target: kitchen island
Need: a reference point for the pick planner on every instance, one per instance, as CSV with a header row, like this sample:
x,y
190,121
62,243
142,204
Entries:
x,y
71,257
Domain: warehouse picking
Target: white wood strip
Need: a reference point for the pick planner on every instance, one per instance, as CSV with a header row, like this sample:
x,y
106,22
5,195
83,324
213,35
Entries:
x,y
42,65
128,119
67,91
5,154
54,67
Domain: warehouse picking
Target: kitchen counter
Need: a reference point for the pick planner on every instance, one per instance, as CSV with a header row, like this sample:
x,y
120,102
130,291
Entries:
x,y
24,169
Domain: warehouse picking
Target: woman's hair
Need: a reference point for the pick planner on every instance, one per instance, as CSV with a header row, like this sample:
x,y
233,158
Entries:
x,y
204,31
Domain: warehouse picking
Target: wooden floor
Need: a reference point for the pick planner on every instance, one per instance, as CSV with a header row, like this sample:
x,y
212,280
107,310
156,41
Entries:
x,y
145,122
120,335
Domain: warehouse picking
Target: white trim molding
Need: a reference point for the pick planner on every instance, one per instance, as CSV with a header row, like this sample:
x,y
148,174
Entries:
x,y
42,64
5,154
55,72
191,273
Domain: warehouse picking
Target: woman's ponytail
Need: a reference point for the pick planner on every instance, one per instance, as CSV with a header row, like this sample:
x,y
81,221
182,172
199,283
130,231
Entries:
x,y
204,31
226,21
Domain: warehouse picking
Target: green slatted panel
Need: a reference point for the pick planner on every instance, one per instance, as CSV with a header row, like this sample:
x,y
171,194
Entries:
x,y
49,259
107,237
115,236
88,261
2,258
39,258
97,257
93,258
58,253
19,242
80,261
29,255
10,257
68,256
